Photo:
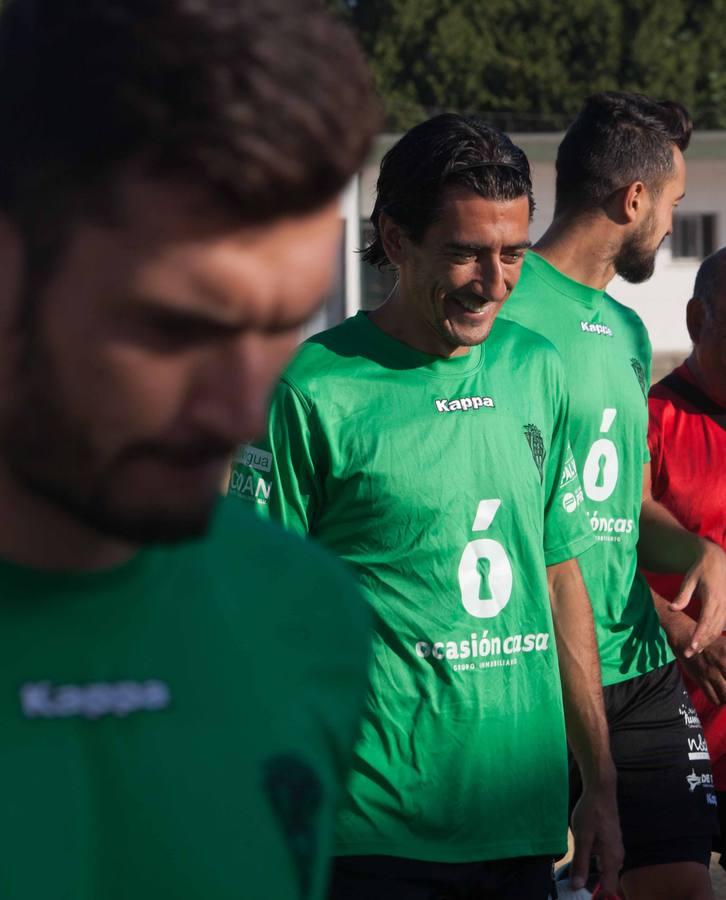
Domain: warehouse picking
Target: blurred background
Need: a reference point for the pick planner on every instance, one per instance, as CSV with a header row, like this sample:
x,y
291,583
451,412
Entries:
x,y
526,66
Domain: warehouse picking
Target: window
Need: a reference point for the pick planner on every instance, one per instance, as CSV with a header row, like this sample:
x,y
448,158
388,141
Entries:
x,y
333,310
694,235
376,284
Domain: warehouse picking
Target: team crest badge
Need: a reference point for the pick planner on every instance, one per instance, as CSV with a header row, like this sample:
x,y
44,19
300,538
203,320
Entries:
x,y
536,445
640,375
295,793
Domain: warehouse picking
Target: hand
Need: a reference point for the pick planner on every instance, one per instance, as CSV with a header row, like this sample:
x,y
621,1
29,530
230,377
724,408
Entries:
x,y
708,577
708,670
596,829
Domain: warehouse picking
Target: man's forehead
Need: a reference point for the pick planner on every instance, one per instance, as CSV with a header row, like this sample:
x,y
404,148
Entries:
x,y
461,202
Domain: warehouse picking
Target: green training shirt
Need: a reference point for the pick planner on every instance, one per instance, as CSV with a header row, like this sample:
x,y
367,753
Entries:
x,y
448,485
179,727
607,358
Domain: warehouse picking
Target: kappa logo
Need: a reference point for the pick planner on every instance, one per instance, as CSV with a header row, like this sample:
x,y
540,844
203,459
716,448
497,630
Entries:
x,y
44,700
594,328
463,404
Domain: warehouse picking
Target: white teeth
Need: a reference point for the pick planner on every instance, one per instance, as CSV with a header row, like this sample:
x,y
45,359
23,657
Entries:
x,y
471,306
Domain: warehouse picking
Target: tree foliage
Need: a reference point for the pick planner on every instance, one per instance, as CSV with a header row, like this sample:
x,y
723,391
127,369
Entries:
x,y
529,63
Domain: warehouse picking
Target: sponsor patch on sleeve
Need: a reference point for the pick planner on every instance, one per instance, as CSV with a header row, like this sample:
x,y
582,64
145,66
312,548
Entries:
x,y
247,481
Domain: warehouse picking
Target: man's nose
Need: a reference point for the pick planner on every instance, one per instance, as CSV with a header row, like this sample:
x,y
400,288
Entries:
x,y
231,393
490,282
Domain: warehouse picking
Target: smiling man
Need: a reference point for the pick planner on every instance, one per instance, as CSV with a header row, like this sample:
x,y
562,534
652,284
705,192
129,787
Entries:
x,y
177,710
426,444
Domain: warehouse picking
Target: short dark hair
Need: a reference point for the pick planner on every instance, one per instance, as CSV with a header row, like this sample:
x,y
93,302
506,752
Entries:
x,y
448,149
616,139
711,280
267,104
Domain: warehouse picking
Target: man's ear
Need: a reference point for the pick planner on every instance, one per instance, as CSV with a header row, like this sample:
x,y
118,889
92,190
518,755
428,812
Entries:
x,y
633,201
393,239
695,317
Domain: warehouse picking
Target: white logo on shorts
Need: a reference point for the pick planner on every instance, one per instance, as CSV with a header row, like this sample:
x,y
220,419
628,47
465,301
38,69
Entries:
x,y
694,781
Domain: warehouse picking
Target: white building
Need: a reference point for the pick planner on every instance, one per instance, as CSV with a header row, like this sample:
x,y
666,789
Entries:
x,y
699,228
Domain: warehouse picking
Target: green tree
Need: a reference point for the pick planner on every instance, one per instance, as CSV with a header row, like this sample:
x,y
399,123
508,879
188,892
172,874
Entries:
x,y
529,63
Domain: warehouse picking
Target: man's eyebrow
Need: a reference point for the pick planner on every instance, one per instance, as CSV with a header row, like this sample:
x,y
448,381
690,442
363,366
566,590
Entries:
x,y
165,312
460,247
151,305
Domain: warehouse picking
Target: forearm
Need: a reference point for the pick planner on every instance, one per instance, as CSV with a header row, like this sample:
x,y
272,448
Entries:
x,y
664,544
587,729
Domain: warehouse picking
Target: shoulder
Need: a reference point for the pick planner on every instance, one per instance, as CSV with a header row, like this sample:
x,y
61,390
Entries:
x,y
663,405
519,342
626,316
335,351
301,584
528,291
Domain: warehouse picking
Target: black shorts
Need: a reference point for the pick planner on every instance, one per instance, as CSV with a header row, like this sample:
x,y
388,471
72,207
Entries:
x,y
666,798
394,878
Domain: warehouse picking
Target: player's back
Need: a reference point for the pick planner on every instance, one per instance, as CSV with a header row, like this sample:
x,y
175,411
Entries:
x,y
178,727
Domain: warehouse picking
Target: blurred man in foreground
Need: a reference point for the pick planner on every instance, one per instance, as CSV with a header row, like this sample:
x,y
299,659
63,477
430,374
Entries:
x,y
687,438
177,711
620,175
427,445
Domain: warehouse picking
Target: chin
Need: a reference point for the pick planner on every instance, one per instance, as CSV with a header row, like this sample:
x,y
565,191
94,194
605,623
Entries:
x,y
470,337
153,524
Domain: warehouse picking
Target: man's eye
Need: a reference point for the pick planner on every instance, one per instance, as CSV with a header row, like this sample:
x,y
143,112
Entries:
x,y
512,257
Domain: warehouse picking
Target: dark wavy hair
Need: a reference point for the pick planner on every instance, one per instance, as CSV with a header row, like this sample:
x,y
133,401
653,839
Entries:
x,y
616,139
266,105
448,149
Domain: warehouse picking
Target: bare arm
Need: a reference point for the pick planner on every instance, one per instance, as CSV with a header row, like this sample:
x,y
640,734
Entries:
x,y
595,822
666,546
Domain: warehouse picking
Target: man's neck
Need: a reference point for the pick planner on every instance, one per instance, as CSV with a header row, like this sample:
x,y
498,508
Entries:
x,y
395,319
583,249
702,381
34,532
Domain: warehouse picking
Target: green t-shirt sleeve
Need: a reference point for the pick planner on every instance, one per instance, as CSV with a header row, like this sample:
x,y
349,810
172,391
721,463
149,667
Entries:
x,y
566,529
277,474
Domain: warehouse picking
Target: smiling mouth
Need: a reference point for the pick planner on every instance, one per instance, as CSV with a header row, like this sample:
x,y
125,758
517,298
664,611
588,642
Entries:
x,y
470,305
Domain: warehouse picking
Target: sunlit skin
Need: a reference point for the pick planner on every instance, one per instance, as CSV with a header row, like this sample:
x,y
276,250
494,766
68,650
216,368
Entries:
x,y
454,281
156,343
652,222
589,247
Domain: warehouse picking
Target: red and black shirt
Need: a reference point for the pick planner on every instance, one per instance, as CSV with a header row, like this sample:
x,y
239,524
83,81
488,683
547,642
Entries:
x,y
687,441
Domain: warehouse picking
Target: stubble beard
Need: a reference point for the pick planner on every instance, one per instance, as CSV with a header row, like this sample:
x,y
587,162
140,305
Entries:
x,y
635,262
49,454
